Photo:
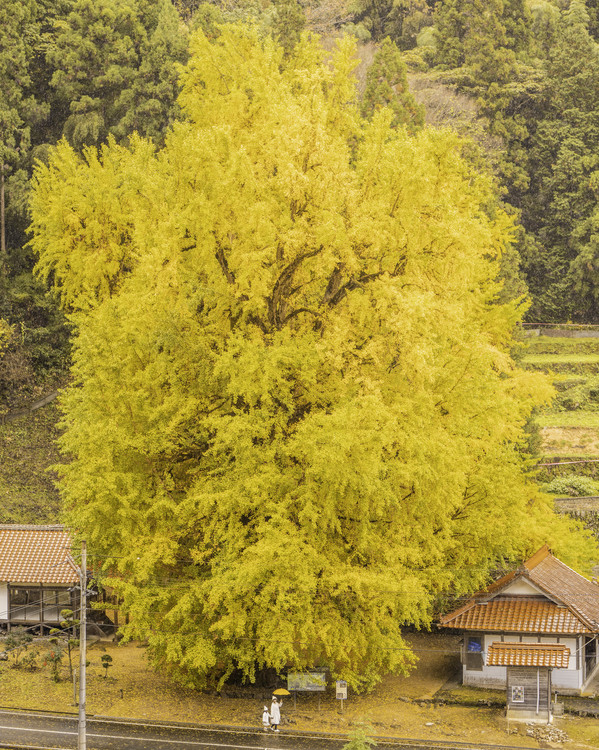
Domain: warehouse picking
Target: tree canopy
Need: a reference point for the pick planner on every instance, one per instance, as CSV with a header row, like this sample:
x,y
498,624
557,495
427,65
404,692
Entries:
x,y
295,421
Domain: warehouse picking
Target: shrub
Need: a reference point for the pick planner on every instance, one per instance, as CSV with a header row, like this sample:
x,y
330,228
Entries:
x,y
359,739
16,643
573,486
53,659
106,663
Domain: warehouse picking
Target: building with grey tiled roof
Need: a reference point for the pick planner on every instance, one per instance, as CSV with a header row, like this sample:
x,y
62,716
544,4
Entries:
x,y
543,610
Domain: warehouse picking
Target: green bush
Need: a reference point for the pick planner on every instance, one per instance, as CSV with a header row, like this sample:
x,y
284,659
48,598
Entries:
x,y
573,486
575,395
359,739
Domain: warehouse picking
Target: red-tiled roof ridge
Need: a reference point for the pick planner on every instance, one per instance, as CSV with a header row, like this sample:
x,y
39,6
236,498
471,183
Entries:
x,y
554,655
544,570
525,567
538,557
31,527
494,586
518,614
580,595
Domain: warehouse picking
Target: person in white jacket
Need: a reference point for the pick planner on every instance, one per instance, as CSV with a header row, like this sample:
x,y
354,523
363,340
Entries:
x,y
265,719
275,714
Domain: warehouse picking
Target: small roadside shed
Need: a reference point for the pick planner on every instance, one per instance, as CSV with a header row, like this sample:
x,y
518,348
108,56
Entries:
x,y
543,603
529,667
37,576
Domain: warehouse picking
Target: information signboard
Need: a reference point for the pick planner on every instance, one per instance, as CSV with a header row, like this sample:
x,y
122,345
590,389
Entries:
x,y
313,682
341,690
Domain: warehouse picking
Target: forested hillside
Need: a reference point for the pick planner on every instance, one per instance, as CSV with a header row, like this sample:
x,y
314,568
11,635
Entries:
x,y
283,291
519,78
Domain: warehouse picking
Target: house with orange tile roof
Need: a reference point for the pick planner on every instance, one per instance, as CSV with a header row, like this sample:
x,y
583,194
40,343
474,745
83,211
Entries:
x,y
542,616
37,576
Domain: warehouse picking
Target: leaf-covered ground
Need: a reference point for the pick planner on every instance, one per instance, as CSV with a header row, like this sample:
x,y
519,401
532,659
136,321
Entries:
x,y
396,707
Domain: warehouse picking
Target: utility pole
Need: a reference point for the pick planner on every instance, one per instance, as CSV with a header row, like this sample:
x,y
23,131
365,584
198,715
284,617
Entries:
x,y
82,741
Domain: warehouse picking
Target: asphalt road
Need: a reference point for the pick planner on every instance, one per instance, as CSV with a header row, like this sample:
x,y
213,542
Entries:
x,y
23,729
47,731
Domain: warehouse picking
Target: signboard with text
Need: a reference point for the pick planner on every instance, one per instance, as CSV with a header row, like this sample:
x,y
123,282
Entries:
x,y
341,690
313,682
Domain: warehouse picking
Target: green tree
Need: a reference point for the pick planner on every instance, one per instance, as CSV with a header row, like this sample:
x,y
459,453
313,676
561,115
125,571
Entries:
x,y
53,659
25,106
114,67
387,86
559,209
15,16
150,104
478,32
401,20
451,24
288,22
483,38
68,623
592,7
294,418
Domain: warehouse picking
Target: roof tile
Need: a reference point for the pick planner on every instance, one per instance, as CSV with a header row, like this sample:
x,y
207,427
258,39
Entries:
x,y
36,554
491,610
577,592
518,615
528,655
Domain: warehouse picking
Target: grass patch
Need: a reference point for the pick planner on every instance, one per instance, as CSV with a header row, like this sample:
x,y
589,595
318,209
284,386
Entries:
x,y
563,381
552,345
134,690
569,419
584,366
583,732
570,358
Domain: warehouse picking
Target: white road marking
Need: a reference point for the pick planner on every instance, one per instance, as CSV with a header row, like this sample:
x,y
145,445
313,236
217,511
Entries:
x,y
45,731
144,739
153,725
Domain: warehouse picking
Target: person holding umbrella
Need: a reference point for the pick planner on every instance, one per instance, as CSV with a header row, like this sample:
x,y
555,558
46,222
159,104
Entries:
x,y
275,714
276,698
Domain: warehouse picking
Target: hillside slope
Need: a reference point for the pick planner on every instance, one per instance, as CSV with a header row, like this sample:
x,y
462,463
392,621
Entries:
x,y
28,450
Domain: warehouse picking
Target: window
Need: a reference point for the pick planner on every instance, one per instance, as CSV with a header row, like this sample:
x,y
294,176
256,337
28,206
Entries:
x,y
474,653
25,604
55,600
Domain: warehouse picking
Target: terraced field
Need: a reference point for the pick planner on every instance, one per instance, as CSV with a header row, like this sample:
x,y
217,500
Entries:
x,y
570,424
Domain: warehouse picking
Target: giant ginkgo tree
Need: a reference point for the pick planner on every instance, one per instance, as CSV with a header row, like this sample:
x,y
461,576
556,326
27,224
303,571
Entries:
x,y
294,420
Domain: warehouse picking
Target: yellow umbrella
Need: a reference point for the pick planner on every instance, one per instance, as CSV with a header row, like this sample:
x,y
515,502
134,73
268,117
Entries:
x,y
281,691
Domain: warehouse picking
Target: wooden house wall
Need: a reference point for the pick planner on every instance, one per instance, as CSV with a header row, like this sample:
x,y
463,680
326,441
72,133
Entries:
x,y
532,681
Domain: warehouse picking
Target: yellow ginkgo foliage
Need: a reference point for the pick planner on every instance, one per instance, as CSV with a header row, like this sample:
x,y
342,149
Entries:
x,y
294,421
